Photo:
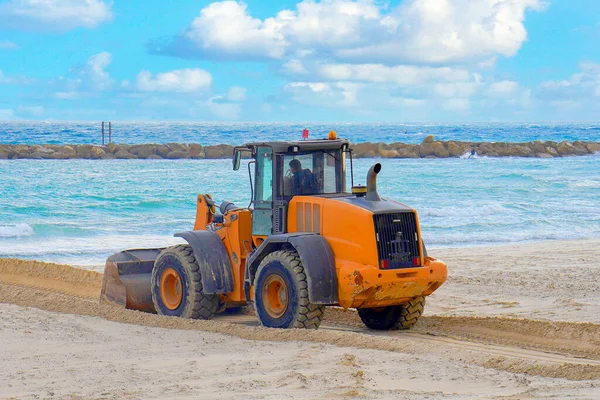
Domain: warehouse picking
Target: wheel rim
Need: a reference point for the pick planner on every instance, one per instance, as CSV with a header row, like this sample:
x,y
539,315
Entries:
x,y
275,296
171,291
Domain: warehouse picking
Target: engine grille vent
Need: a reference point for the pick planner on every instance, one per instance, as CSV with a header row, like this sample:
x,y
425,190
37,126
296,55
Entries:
x,y
279,217
308,217
397,240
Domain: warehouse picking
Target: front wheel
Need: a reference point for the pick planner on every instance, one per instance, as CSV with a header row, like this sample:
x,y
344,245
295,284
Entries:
x,y
403,316
281,293
177,285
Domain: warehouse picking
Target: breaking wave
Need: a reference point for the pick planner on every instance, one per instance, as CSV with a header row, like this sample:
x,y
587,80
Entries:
x,y
16,231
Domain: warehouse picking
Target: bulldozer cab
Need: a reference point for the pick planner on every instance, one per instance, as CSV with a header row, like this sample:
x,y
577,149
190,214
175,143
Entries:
x,y
283,170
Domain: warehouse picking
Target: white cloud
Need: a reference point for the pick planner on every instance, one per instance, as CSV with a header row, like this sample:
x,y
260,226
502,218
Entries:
x,y
8,45
84,80
555,85
294,67
67,95
404,102
369,54
456,89
316,87
490,63
226,107
95,70
459,105
503,88
401,86
329,23
236,94
223,110
6,114
152,102
441,31
566,105
526,98
349,92
30,111
504,95
363,99
14,80
226,30
584,84
337,94
180,81
311,93
54,15
379,87
361,31
400,75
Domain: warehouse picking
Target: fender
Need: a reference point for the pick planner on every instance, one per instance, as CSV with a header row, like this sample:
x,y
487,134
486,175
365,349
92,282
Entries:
x,y
317,259
213,261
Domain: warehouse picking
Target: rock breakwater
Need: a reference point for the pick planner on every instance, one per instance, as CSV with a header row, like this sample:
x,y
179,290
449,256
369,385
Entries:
x,y
429,148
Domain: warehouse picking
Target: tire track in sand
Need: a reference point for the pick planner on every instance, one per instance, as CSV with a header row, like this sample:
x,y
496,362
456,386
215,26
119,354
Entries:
x,y
429,338
55,278
571,338
65,289
52,286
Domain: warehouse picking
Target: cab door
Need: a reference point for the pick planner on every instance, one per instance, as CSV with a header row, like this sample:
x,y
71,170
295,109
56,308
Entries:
x,y
262,214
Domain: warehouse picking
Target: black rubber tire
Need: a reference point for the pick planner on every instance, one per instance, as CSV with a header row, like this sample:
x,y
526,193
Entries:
x,y
403,316
194,303
300,313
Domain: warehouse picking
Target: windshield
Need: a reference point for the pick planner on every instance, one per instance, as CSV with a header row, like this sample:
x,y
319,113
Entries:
x,y
319,172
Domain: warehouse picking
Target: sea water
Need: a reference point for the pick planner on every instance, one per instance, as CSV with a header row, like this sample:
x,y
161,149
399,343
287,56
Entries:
x,y
81,211
51,132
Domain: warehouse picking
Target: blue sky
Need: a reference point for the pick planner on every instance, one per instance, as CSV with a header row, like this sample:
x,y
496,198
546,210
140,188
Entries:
x,y
329,60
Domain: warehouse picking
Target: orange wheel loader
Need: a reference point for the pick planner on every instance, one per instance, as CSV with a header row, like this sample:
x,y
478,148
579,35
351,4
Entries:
x,y
304,243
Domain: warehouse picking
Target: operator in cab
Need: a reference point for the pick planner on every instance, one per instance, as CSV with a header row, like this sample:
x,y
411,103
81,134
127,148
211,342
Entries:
x,y
303,181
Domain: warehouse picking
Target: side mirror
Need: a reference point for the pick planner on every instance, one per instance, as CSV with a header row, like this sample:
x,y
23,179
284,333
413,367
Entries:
x,y
237,158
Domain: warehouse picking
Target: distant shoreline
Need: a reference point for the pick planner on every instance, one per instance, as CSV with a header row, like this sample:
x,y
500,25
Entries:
x,y
429,148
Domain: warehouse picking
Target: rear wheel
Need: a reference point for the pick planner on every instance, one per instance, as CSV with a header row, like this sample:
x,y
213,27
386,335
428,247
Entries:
x,y
403,316
281,293
177,285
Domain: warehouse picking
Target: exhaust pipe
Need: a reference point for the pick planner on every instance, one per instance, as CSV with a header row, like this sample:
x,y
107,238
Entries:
x,y
372,194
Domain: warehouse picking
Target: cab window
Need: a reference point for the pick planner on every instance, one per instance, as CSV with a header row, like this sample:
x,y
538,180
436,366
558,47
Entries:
x,y
313,173
264,175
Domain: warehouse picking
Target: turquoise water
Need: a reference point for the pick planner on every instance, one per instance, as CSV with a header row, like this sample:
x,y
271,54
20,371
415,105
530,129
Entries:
x,y
80,211
29,132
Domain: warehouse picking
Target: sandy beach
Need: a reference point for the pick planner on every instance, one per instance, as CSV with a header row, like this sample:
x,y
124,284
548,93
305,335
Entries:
x,y
304,154
514,321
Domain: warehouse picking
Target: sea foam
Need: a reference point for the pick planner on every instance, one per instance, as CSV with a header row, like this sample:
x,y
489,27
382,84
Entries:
x,y
15,231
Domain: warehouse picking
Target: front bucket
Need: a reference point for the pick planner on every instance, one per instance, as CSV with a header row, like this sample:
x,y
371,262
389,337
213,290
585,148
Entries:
x,y
127,279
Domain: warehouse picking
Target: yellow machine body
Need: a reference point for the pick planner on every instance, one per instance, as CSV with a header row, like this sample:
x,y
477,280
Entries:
x,y
355,250
349,231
